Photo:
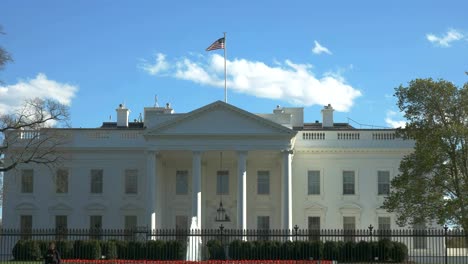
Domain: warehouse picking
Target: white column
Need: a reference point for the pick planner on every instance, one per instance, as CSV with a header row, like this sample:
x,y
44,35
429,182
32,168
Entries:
x,y
151,177
196,190
287,190
242,190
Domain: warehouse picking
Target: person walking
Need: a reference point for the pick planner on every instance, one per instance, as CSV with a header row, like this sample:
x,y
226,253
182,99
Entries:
x,y
52,256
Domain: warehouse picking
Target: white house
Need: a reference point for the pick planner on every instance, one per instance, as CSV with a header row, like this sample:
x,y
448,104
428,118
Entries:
x,y
172,170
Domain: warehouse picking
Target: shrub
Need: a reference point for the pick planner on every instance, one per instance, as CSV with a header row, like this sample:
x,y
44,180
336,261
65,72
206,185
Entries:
x,y
136,250
316,249
384,248
155,250
176,250
271,249
43,247
399,252
27,250
348,251
215,250
330,250
363,251
307,250
65,248
109,249
287,250
87,249
234,250
122,249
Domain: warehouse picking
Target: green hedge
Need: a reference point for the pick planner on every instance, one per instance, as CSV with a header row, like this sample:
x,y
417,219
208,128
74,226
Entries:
x,y
27,250
362,251
350,251
108,249
215,250
94,249
87,249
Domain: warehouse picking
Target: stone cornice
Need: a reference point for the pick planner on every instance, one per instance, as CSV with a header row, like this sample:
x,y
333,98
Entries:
x,y
354,150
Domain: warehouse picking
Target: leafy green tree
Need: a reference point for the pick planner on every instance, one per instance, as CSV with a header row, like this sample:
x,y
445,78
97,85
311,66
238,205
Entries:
x,y
433,180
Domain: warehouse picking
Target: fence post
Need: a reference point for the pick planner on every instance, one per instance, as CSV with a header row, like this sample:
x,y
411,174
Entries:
x,y
371,257
446,240
295,232
226,254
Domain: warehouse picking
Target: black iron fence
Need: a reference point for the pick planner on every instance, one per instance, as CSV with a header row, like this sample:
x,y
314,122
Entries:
x,y
442,246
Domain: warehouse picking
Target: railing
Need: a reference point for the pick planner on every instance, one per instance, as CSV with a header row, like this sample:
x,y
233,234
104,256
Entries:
x,y
383,136
368,245
348,136
313,136
29,134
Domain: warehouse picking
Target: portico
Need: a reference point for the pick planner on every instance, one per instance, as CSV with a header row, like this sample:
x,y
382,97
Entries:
x,y
216,142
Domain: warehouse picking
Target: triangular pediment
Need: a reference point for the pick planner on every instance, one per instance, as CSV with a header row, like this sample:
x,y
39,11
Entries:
x,y
26,207
131,207
95,207
60,207
220,118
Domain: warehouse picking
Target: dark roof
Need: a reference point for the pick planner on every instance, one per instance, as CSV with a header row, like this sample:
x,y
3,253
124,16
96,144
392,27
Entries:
x,y
130,125
318,126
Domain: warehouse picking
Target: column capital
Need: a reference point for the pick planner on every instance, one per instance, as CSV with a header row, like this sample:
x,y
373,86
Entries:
x,y
242,152
287,151
197,152
153,152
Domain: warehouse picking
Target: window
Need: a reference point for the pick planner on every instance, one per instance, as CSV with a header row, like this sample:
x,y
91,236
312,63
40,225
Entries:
x,y
383,182
349,227
348,183
182,227
26,226
313,182
61,181
130,227
131,181
96,181
314,227
27,180
263,182
263,226
384,227
61,222
61,226
130,222
95,226
222,183
181,222
419,236
181,182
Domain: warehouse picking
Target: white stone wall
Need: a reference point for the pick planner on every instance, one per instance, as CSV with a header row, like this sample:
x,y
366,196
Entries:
x,y
43,204
331,205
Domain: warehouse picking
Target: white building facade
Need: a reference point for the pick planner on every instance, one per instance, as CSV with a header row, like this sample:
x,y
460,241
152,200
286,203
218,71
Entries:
x,y
172,171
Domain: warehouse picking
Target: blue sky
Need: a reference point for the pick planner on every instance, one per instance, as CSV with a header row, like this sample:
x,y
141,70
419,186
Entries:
x,y
94,55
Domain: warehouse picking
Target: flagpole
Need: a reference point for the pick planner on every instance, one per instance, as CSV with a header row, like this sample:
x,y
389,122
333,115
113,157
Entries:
x,y
225,71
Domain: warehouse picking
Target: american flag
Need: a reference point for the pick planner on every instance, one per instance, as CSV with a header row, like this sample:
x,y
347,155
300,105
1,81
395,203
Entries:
x,y
218,44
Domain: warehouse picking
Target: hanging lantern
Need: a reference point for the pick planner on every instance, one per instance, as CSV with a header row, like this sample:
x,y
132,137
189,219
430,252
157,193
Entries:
x,y
221,215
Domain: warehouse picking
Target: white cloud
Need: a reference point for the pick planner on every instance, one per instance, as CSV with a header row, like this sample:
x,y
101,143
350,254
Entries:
x,y
13,96
288,81
392,121
319,49
444,41
159,66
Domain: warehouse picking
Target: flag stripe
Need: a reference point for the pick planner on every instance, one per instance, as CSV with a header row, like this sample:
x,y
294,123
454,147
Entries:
x,y
218,44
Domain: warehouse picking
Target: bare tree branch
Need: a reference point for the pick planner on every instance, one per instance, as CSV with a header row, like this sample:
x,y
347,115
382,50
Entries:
x,y
29,136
